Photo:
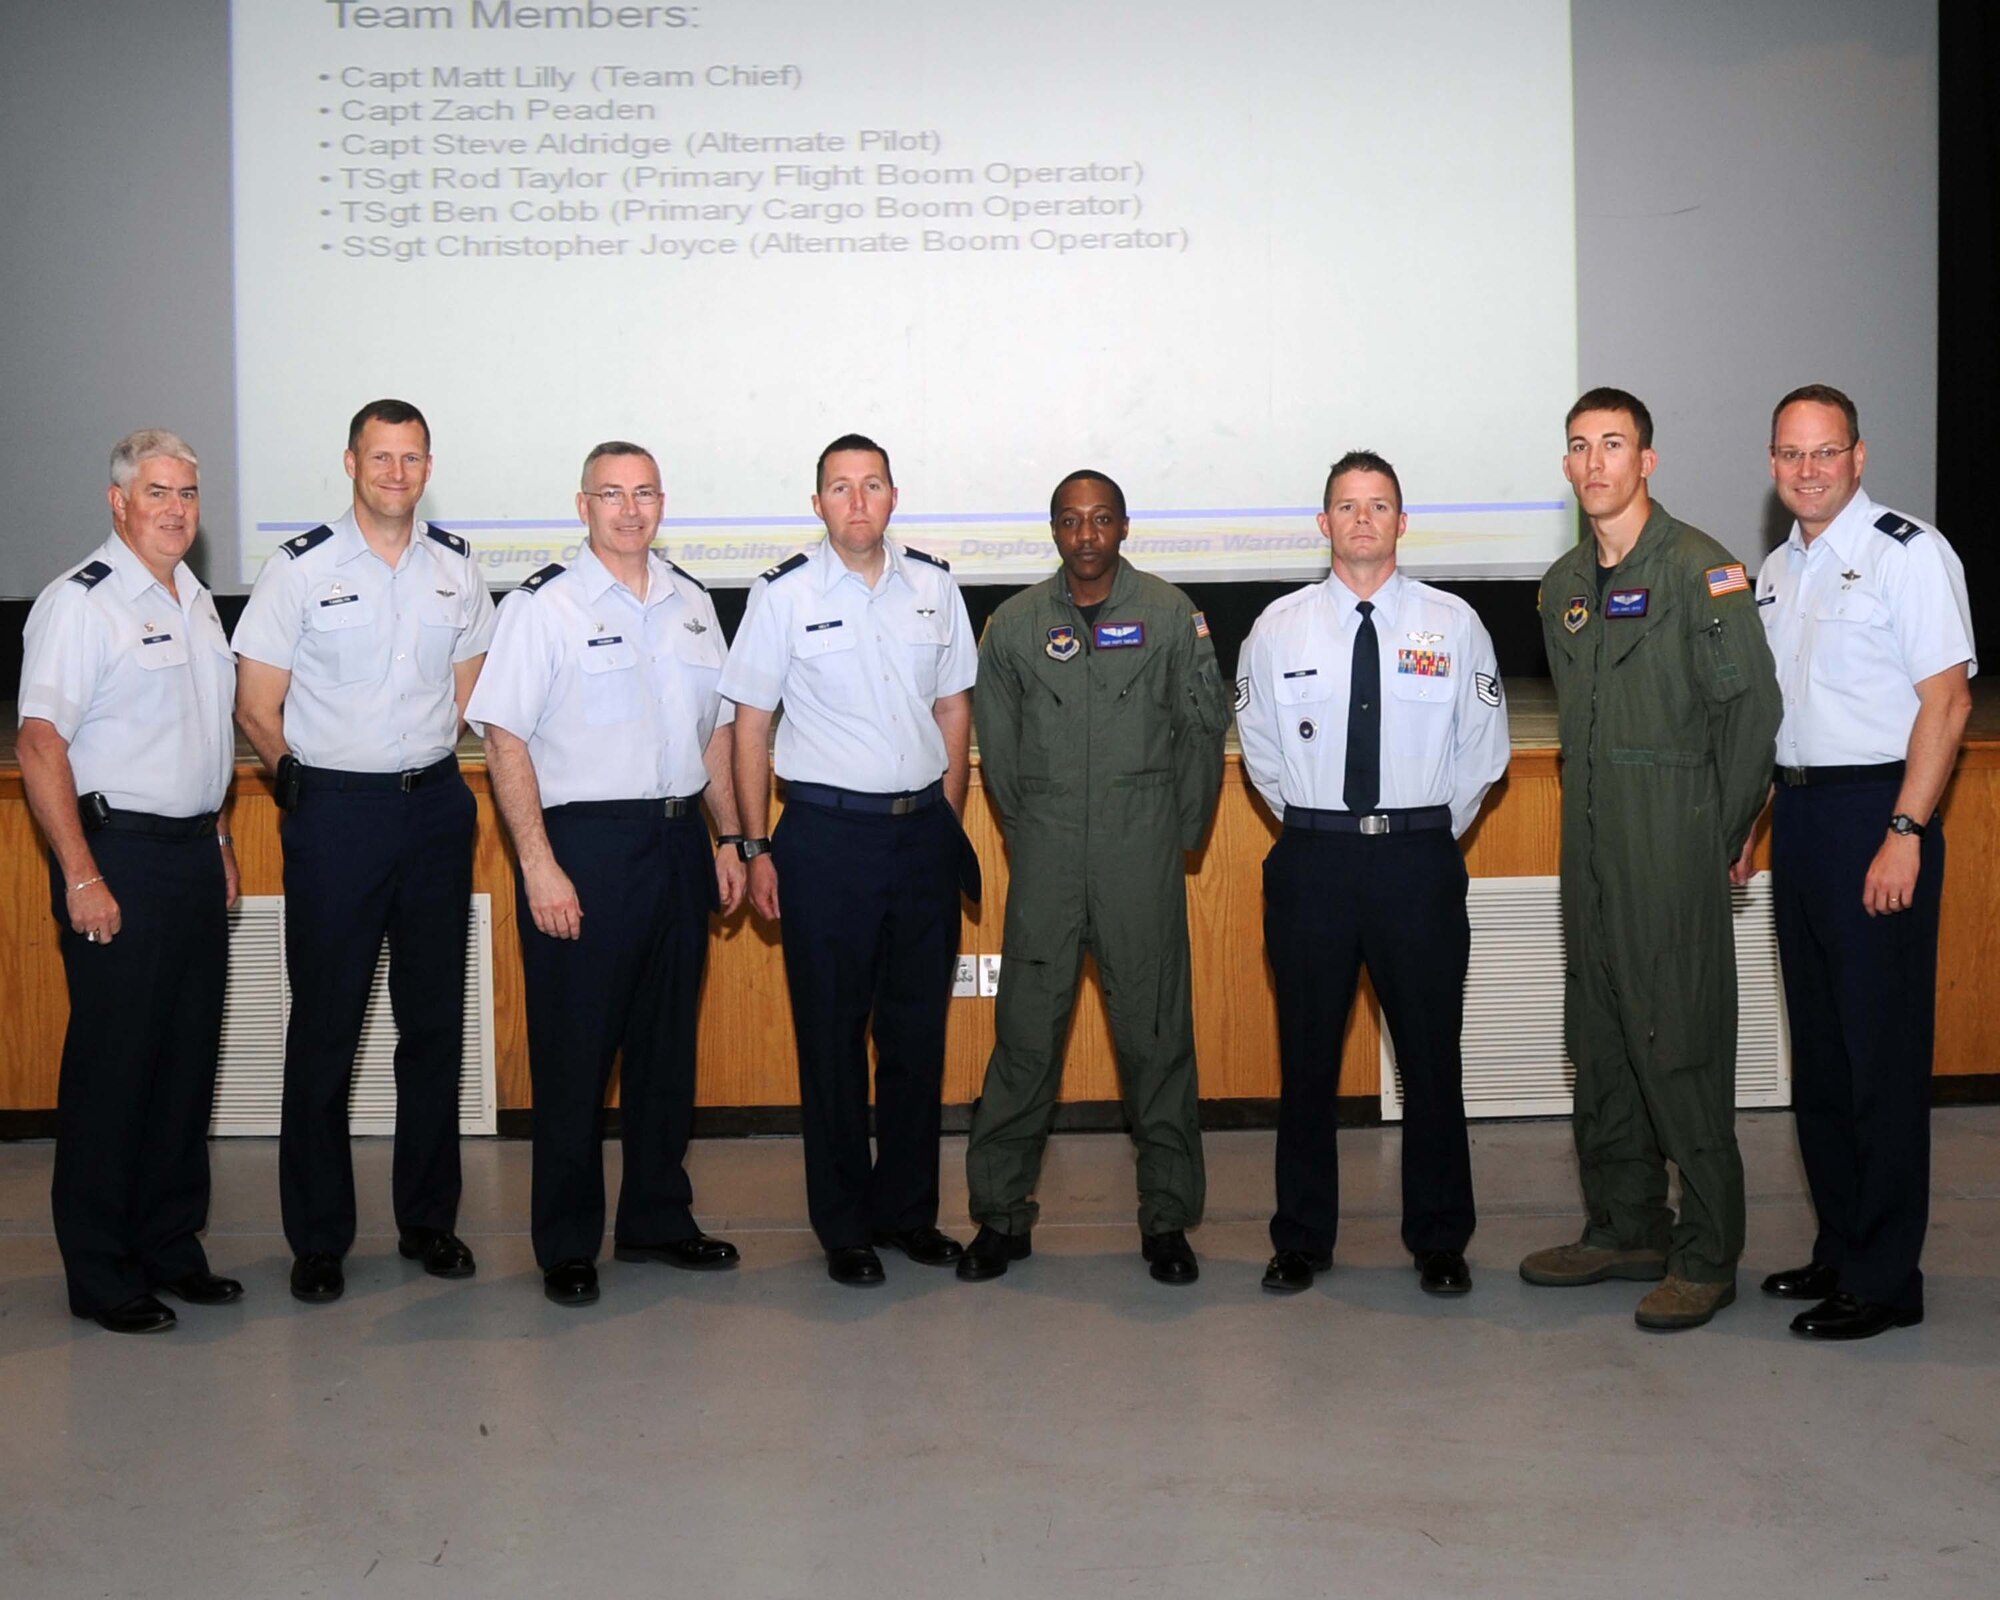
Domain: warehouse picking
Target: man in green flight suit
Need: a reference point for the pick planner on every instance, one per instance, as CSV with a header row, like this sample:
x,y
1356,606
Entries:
x,y
1100,714
1668,712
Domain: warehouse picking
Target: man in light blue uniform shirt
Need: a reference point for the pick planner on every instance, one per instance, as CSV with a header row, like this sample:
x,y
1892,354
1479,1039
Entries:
x,y
605,736
867,645
1370,714
1866,612
357,652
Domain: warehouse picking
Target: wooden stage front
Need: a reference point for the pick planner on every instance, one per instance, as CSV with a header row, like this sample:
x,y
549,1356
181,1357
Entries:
x,y
746,1040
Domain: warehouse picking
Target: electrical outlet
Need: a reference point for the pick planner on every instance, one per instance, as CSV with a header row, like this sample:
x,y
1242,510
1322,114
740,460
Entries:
x,y
989,976
965,978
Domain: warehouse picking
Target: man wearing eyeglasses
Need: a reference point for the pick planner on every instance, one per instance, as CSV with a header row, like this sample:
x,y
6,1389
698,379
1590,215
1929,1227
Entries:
x,y
1867,616
605,738
1100,716
1666,706
866,643
356,653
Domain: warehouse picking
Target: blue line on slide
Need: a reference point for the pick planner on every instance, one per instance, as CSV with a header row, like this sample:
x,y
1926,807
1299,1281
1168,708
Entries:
x,y
940,518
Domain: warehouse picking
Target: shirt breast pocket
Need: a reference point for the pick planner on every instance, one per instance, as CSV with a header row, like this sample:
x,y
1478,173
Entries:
x,y
920,641
160,647
1301,698
440,620
343,630
1851,608
823,641
1417,687
611,688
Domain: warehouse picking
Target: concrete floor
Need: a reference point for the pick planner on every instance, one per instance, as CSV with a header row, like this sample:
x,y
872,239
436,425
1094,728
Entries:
x,y
1072,1430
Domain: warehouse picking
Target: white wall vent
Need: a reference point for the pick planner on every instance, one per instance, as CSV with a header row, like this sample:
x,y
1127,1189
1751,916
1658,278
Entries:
x,y
1515,1063
249,1078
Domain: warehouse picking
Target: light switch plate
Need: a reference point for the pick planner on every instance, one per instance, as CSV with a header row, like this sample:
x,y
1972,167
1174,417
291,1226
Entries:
x,y
965,978
989,976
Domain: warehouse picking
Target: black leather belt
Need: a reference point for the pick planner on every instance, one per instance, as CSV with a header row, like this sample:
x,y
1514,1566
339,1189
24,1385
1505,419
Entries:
x,y
1804,777
883,805
146,822
1415,819
627,810
334,778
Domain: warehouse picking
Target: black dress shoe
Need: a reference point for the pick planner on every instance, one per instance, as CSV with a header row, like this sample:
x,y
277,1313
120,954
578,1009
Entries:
x,y
141,1314
571,1283
443,1254
317,1278
1172,1257
1444,1272
1292,1270
1809,1282
205,1289
925,1246
699,1253
990,1251
856,1264
1841,1316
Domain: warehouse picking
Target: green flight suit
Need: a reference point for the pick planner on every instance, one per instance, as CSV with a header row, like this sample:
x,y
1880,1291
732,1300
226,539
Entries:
x,y
1104,760
1668,709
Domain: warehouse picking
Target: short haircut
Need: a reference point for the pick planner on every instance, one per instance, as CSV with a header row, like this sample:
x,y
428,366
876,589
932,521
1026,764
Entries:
x,y
1361,461
393,413
144,445
850,441
1820,394
1614,400
1088,475
614,447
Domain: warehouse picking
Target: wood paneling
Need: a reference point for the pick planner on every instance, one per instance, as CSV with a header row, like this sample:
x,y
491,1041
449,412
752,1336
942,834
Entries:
x,y
747,1056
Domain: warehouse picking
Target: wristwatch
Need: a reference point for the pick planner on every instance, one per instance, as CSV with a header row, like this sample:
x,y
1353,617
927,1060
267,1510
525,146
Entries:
x,y
1906,825
750,849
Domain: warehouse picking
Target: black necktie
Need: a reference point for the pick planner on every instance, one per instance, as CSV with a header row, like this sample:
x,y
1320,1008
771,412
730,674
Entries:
x,y
1364,717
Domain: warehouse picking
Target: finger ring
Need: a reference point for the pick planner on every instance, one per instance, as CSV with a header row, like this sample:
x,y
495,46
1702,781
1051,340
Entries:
x,y
91,936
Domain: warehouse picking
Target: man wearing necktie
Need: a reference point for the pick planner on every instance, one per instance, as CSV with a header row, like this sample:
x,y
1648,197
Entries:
x,y
1369,711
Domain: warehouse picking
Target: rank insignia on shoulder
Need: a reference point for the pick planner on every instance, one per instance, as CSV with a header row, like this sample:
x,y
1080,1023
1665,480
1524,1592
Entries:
x,y
680,571
1242,693
1728,579
533,583
1200,626
1576,613
925,555
1118,635
1063,643
295,548
1627,603
91,574
789,564
1487,686
1901,529
449,540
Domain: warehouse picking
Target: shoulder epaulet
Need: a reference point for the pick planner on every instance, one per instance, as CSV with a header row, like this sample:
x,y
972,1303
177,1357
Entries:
x,y
91,574
1901,529
789,564
683,572
531,584
449,540
925,555
306,541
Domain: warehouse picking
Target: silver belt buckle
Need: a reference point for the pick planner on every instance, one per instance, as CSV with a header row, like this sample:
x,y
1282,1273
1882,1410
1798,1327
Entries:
x,y
1795,777
673,807
1374,825
902,805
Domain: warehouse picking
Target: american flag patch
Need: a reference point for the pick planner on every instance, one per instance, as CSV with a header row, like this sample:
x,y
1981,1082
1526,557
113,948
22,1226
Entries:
x,y
1200,626
1727,580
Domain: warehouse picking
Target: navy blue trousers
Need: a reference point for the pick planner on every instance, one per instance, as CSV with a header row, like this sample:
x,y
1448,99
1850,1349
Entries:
x,y
870,922
630,983
1397,902
359,866
130,1191
1861,1000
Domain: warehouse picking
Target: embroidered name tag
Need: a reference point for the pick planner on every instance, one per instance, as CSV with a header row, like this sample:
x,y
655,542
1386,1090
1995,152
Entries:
x,y
1627,602
1423,663
1119,635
